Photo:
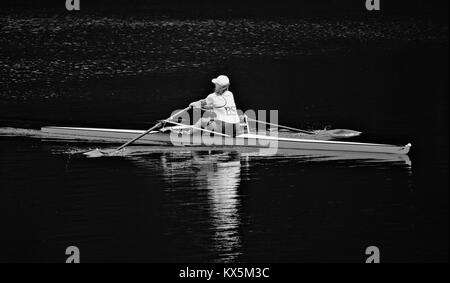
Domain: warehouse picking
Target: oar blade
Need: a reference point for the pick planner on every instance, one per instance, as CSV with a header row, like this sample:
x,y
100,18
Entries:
x,y
338,133
96,153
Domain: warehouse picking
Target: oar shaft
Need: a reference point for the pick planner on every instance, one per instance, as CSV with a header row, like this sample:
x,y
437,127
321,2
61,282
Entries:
x,y
280,126
151,129
275,125
140,136
197,128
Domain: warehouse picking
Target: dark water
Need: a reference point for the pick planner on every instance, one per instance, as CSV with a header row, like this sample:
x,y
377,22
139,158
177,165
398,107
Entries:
x,y
387,78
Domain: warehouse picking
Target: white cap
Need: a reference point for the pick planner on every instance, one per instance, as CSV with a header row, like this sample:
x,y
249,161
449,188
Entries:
x,y
221,80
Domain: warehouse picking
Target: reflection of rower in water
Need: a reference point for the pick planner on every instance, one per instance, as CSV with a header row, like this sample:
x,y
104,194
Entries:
x,y
219,175
223,117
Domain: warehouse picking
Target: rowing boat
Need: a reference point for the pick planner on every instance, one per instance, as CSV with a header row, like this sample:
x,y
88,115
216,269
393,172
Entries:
x,y
174,136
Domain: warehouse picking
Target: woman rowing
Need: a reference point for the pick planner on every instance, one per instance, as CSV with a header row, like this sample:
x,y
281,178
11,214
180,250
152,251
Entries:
x,y
222,115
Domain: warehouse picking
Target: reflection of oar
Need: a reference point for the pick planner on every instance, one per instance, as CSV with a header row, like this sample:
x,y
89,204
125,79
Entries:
x,y
98,153
336,133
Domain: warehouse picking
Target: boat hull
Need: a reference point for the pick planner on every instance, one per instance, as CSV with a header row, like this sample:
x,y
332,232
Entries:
x,y
245,140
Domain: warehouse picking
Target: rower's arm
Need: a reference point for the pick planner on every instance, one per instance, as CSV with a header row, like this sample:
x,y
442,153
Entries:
x,y
202,104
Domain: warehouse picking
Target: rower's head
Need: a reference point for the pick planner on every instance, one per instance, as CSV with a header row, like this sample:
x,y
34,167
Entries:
x,y
222,84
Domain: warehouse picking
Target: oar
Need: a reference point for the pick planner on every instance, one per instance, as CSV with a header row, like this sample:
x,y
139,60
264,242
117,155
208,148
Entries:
x,y
197,128
280,126
97,153
336,133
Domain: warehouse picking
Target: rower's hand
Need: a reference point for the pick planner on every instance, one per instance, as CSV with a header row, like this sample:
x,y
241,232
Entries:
x,y
196,104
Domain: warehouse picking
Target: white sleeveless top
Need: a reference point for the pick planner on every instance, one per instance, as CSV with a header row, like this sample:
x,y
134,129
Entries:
x,y
224,107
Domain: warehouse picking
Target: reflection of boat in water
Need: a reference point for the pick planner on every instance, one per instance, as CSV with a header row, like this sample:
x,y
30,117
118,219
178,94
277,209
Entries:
x,y
214,178
303,155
